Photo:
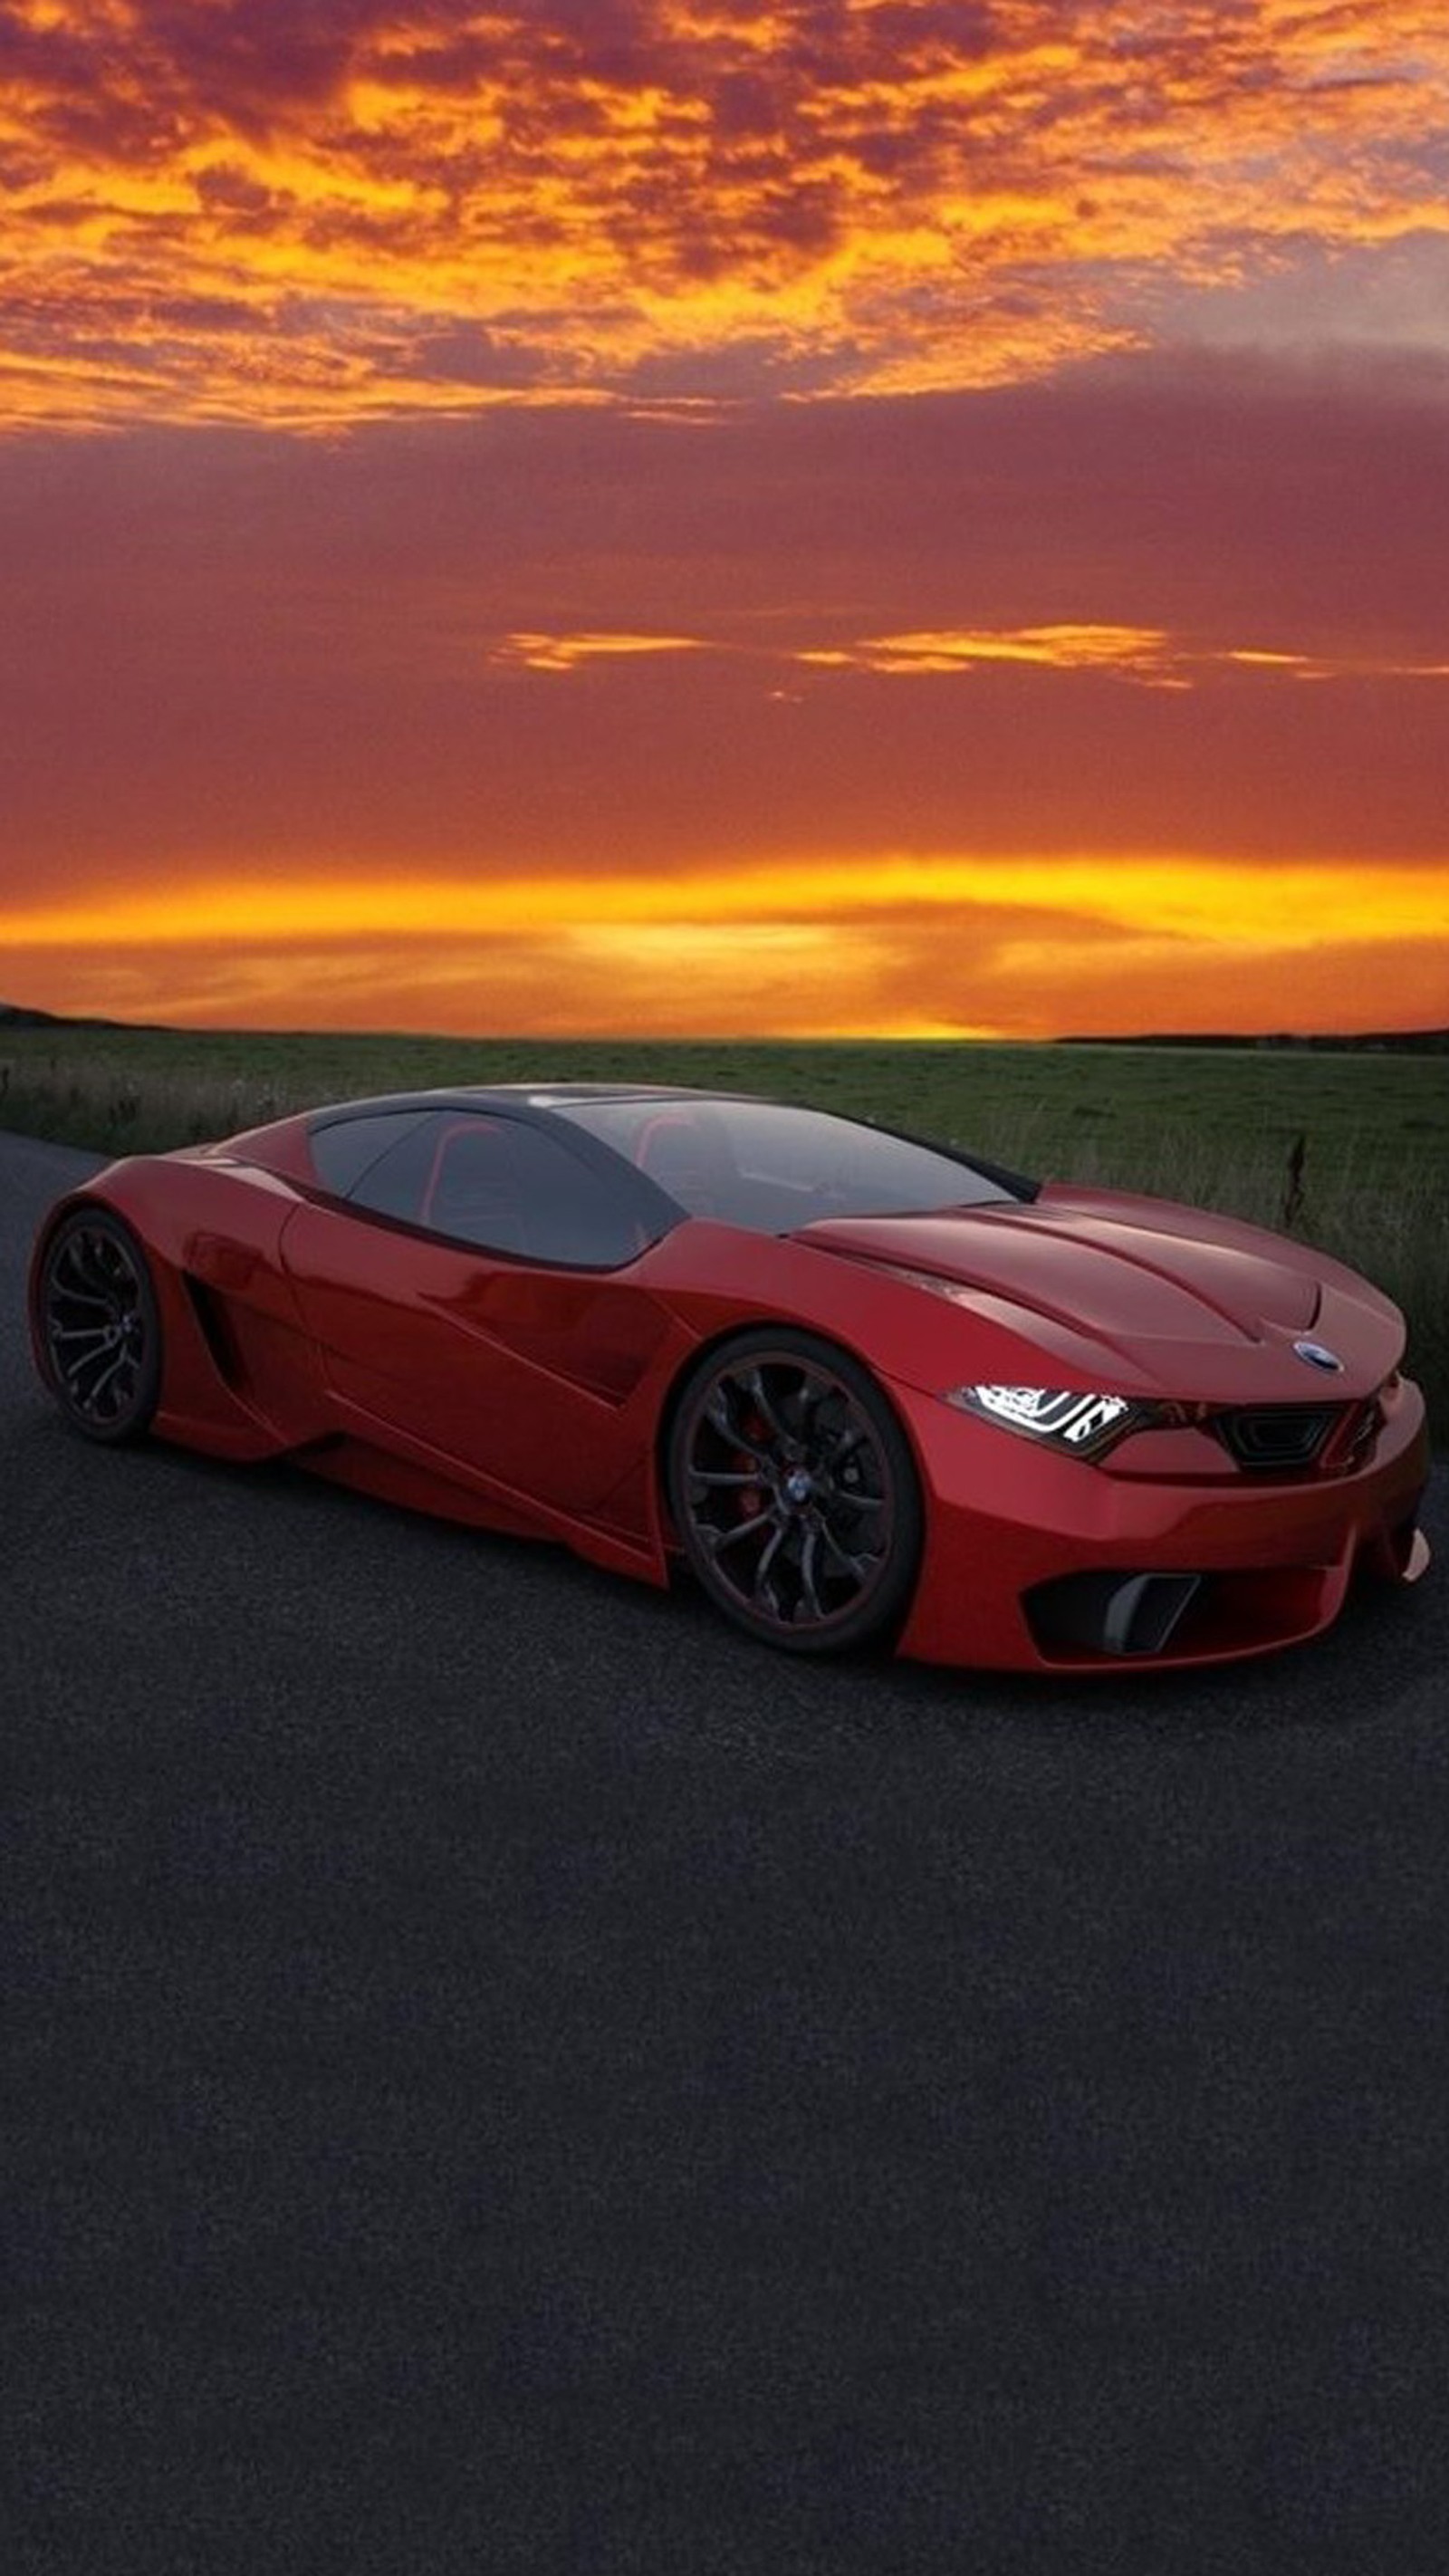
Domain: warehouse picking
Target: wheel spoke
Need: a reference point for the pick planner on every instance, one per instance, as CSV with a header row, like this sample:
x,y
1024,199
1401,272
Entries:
x,y
73,1371
106,1378
857,1567
761,1591
759,1396
83,1255
718,1539
717,1412
719,1476
84,1297
850,1438
809,1601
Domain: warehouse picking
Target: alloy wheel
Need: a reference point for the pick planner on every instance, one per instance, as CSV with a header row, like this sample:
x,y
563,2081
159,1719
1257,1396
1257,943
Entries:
x,y
98,1327
794,1493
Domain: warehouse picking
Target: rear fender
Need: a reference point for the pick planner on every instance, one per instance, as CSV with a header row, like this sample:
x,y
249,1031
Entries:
x,y
239,1375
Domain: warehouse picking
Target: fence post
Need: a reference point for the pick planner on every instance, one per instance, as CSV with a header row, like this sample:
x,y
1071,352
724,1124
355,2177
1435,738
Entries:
x,y
1293,1194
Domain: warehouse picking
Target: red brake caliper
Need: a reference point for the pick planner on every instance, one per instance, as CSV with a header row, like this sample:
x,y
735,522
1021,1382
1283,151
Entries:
x,y
751,1497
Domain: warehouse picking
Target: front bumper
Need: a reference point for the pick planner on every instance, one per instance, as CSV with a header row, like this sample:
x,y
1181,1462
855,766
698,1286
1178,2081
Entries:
x,y
1028,1555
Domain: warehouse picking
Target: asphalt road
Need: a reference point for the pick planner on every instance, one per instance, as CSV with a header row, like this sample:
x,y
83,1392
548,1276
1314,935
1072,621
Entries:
x,y
504,2075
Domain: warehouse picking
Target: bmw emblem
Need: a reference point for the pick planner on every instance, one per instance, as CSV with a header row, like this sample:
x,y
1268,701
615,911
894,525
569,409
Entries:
x,y
1317,1357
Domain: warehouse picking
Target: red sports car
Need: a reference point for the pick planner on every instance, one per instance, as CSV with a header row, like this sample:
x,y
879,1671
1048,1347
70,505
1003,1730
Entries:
x,y
865,1386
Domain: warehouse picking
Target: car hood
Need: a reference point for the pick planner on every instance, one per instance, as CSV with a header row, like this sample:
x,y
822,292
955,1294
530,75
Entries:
x,y
1195,1297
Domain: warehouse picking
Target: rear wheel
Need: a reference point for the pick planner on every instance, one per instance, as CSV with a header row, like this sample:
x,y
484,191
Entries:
x,y
794,1492
100,1333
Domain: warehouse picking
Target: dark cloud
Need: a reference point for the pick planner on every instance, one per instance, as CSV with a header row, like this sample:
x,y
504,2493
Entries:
x,y
904,197
233,191
247,58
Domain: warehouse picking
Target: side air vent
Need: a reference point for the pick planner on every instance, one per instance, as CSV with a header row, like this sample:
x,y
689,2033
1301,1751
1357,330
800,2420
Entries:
x,y
1282,1436
215,1331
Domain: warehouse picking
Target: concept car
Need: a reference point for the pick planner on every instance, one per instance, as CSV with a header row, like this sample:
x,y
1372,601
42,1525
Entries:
x,y
865,1387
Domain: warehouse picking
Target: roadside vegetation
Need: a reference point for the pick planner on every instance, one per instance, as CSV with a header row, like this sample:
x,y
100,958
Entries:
x,y
1347,1149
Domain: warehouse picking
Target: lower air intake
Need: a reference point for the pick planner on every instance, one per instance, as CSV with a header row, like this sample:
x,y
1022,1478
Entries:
x,y
1109,1614
1276,1435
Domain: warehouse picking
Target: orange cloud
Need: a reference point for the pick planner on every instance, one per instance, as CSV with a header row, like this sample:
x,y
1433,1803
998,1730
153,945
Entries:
x,y
1183,896
901,945
567,652
1000,973
1148,654
372,208
1145,653
1142,651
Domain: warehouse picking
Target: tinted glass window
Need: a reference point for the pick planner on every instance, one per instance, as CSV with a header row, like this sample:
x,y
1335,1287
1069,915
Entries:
x,y
753,1163
506,1187
345,1148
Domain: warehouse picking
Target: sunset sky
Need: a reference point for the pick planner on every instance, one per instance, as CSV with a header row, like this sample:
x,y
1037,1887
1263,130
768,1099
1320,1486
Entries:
x,y
695,517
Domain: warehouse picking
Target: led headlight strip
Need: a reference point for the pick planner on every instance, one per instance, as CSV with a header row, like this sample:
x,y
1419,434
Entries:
x,y
1083,1424
1061,1417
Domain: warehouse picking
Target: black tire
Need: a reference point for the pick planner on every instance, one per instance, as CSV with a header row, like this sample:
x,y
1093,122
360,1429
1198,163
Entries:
x,y
98,1328
794,1493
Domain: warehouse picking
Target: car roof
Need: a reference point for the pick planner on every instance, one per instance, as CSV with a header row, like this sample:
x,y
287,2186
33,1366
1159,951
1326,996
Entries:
x,y
516,1095
536,1099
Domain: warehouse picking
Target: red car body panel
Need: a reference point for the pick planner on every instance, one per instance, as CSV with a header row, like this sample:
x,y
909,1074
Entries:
x,y
528,1397
1283,1555
541,1388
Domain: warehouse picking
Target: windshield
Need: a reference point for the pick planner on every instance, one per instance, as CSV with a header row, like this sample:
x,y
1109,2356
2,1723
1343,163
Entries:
x,y
754,1163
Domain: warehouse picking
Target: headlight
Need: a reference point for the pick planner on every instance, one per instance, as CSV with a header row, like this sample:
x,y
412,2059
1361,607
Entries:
x,y
1060,1417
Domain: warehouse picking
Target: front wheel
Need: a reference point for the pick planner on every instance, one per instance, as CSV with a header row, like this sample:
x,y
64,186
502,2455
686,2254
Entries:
x,y
98,1326
794,1492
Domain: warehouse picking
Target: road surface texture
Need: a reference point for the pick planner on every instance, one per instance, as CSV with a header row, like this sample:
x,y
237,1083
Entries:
x,y
505,2075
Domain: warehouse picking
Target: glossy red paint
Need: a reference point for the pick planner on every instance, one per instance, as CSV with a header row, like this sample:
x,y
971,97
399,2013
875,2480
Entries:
x,y
1280,1558
534,1398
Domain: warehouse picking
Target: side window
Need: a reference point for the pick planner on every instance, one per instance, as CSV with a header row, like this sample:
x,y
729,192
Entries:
x,y
505,1186
399,1184
345,1149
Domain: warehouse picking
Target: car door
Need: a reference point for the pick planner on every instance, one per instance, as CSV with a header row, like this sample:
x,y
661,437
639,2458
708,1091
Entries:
x,y
471,1300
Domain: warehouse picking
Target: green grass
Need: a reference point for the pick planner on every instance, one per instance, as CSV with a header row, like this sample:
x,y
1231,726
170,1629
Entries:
x,y
1212,1125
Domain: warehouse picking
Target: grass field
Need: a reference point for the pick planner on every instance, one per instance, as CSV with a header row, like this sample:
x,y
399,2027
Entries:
x,y
1213,1125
